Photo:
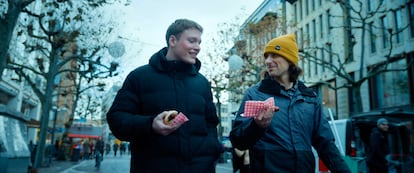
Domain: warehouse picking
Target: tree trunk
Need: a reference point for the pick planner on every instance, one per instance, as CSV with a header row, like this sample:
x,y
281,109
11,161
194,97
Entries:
x,y
7,25
356,90
46,100
46,106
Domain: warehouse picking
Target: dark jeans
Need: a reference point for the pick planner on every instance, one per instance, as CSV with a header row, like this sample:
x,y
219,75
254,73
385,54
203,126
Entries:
x,y
245,169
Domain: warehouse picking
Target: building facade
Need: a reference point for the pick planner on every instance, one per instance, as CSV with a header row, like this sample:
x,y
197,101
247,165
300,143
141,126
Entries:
x,y
362,41
357,57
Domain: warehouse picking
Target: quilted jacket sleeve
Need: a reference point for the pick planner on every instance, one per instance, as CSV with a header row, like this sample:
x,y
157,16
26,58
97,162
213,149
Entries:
x,y
245,132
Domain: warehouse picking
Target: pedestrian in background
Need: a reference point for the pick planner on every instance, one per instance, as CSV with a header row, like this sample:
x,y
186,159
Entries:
x,y
115,147
122,148
280,138
378,148
50,153
170,82
32,149
129,148
92,149
86,149
107,148
99,146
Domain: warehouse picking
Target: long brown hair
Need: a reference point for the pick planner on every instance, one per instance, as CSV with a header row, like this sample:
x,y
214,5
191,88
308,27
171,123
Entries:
x,y
294,72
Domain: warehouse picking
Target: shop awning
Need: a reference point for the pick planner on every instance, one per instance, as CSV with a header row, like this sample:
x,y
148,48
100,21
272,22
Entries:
x,y
85,132
83,136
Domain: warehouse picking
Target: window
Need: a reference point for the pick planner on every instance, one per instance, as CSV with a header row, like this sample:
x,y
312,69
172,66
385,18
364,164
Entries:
x,y
351,96
370,5
313,30
373,37
313,4
321,25
390,88
323,59
330,53
4,98
315,65
306,6
328,21
303,66
307,35
296,12
411,9
329,98
309,67
300,38
300,10
385,33
398,25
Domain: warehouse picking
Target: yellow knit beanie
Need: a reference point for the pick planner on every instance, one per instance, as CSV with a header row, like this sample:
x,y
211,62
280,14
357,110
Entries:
x,y
285,46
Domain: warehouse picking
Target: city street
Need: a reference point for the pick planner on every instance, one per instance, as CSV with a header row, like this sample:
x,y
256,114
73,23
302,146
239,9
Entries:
x,y
111,164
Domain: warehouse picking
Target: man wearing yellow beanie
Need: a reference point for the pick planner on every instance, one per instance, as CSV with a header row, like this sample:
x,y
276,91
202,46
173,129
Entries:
x,y
280,138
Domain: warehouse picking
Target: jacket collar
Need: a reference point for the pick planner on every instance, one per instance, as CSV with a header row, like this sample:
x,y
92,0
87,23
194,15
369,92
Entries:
x,y
271,86
160,62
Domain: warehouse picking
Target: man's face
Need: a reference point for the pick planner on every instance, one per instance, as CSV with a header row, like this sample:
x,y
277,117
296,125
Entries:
x,y
383,126
276,66
187,46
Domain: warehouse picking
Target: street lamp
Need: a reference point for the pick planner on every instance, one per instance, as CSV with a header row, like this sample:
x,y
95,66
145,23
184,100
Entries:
x,y
235,61
116,49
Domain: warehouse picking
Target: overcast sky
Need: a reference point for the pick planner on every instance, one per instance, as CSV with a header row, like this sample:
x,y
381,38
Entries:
x,y
145,22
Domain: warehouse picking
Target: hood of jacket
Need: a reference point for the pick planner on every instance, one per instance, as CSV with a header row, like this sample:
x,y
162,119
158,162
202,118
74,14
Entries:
x,y
160,62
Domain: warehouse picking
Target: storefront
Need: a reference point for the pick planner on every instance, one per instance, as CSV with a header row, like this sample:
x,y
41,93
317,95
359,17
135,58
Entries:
x,y
14,150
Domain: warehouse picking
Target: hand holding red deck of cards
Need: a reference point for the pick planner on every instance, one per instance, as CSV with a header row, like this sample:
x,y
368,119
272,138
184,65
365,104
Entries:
x,y
175,119
253,108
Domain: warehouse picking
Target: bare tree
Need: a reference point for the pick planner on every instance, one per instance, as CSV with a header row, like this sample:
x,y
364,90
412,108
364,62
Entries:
x,y
8,20
10,16
357,26
216,65
86,91
59,48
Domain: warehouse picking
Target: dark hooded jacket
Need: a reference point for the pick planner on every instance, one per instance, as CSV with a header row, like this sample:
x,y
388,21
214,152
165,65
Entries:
x,y
378,149
156,87
286,145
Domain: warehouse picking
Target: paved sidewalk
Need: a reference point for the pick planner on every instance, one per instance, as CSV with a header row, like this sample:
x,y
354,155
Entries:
x,y
58,166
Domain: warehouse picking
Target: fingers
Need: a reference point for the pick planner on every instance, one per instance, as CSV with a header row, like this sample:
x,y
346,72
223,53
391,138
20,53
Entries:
x,y
160,127
265,118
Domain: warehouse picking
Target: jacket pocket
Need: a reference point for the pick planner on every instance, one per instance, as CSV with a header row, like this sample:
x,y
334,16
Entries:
x,y
198,125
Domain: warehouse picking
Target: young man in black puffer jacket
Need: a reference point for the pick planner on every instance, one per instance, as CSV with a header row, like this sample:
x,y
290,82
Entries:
x,y
171,81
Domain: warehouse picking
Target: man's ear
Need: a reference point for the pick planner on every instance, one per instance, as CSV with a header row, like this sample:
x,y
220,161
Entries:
x,y
172,40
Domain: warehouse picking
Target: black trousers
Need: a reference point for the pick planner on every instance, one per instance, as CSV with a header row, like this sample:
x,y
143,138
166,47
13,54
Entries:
x,y
375,169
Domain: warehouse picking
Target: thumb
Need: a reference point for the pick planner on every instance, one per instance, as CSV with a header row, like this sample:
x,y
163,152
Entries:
x,y
275,108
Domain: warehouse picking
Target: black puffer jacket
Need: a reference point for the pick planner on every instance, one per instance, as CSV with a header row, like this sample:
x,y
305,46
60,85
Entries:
x,y
378,149
159,86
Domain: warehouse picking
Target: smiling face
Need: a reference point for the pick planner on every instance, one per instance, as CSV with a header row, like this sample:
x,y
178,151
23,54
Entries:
x,y
277,67
186,47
